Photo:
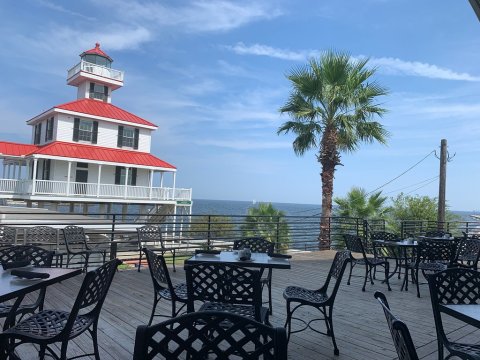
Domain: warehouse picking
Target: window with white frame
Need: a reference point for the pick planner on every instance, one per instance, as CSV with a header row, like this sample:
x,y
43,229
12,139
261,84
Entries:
x,y
128,136
85,130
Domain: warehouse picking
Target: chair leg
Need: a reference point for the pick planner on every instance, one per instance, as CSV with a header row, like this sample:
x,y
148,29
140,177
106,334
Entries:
x,y
155,302
93,333
366,276
417,280
41,352
87,259
387,268
350,275
140,260
63,351
269,286
330,320
288,321
174,269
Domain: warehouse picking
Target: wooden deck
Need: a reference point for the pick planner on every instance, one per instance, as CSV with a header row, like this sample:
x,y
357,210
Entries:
x,y
359,323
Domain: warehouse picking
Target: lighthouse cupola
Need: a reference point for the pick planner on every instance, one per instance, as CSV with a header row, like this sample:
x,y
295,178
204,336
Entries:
x,y
94,76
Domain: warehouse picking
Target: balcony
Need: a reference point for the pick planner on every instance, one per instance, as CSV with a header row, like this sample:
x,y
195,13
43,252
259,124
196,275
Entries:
x,y
95,69
60,189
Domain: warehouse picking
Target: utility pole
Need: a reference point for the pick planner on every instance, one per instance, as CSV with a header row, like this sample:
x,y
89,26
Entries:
x,y
442,184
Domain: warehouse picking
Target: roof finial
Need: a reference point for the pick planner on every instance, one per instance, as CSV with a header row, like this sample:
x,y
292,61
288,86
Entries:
x,y
97,45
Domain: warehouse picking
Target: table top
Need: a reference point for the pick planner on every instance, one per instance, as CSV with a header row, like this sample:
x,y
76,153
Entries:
x,y
468,313
401,243
436,238
259,260
12,286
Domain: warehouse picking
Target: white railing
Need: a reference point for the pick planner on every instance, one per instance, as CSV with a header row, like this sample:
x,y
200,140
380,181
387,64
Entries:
x,y
95,70
79,190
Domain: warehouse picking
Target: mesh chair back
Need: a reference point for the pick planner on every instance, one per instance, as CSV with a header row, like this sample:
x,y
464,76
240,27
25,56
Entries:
x,y
74,235
452,286
399,330
468,250
225,284
94,288
342,258
149,235
221,334
37,256
436,251
437,233
354,243
158,271
383,235
41,235
8,235
256,244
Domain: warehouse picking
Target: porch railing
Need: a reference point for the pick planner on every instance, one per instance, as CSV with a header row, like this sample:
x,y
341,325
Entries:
x,y
96,70
77,189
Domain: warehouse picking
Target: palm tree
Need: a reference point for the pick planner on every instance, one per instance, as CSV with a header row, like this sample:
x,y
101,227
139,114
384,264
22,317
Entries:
x,y
332,106
267,222
358,204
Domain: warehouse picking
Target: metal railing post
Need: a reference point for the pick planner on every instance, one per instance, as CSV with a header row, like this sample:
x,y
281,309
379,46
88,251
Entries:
x,y
112,236
208,231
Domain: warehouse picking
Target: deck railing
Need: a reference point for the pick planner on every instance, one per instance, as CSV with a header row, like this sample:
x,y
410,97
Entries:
x,y
95,70
77,189
117,232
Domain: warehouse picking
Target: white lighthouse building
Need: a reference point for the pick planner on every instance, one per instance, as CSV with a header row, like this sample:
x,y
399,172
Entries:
x,y
89,151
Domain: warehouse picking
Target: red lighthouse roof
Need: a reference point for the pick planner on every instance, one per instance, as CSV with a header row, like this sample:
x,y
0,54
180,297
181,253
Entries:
x,y
96,51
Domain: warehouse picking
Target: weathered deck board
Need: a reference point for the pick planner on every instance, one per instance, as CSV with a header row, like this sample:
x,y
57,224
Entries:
x,y
359,323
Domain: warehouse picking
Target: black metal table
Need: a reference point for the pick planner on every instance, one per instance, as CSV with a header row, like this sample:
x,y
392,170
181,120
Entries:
x,y
403,246
258,260
12,287
468,313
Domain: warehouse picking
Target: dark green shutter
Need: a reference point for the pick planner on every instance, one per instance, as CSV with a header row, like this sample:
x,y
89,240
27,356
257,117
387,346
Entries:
x,y
95,132
120,136
135,138
118,171
76,129
47,130
46,169
134,176
50,129
38,133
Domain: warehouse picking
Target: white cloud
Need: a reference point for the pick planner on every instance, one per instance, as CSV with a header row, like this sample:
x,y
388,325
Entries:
x,y
197,16
387,65
416,68
61,9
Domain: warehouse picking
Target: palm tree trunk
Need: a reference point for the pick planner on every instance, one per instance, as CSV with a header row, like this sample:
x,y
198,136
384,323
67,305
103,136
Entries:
x,y
329,157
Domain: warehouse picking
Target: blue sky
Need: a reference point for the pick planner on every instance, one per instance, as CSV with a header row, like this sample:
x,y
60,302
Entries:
x,y
211,74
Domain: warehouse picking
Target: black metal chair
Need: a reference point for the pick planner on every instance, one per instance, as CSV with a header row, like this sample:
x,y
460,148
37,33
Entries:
x,y
53,326
150,236
76,245
400,334
468,253
162,285
45,236
431,256
354,244
37,257
454,286
218,334
318,299
223,287
259,245
8,236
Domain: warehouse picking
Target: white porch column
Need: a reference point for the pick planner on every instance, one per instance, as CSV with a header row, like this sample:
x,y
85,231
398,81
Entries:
x,y
14,175
8,170
98,179
174,183
69,172
151,185
19,170
126,182
34,182
161,179
4,173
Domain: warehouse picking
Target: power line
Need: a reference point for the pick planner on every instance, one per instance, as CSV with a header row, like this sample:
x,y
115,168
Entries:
x,y
421,186
403,173
409,186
